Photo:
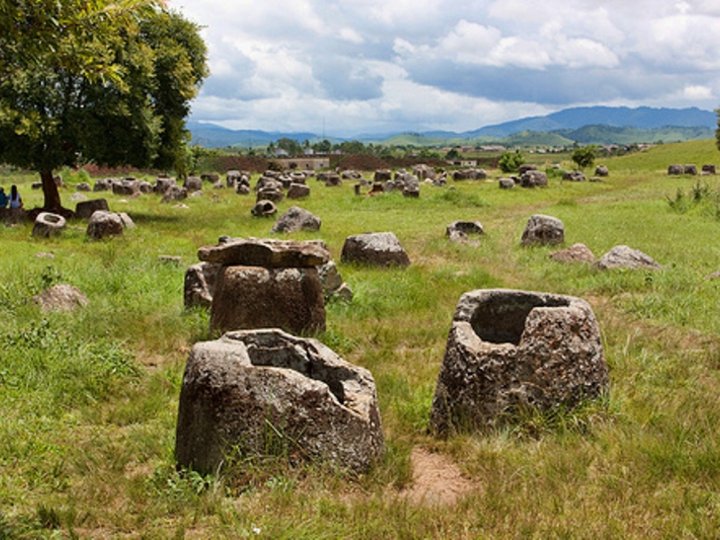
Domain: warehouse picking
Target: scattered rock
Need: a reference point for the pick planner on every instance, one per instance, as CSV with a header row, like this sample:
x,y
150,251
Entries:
x,y
127,222
378,249
163,184
267,392
83,186
45,255
264,208
298,191
627,257
574,176
708,169
713,276
85,209
297,219
78,197
193,183
48,224
199,286
533,178
460,231
61,297
509,351
602,171
174,193
577,253
103,224
676,169
690,169
506,183
543,230
332,283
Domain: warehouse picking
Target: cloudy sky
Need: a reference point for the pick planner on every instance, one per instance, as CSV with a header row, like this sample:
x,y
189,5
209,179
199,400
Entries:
x,y
345,67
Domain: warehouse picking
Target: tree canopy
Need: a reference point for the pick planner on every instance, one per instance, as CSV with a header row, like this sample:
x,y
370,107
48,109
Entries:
x,y
585,156
103,81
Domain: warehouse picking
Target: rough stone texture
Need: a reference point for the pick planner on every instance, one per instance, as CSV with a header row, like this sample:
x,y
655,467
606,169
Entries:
x,y
145,187
174,193
506,183
602,170
574,176
577,253
708,169
104,184
257,297
332,282
83,186
61,297
508,351
85,209
200,284
267,392
163,184
48,224
126,187
382,175
264,208
297,219
533,178
627,257
103,224
298,191
193,183
543,230
460,231
270,194
265,252
379,249
676,169
690,169
127,221
242,189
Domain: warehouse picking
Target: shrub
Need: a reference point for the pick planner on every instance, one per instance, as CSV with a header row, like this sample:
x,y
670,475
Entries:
x,y
510,161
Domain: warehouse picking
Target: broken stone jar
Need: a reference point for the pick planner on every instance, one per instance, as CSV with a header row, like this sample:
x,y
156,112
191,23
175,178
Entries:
x,y
265,392
510,351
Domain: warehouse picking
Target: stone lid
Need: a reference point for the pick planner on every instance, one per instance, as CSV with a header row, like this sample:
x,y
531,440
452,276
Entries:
x,y
268,253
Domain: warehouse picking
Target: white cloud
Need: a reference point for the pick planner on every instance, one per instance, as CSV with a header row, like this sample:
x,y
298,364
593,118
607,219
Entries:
x,y
375,65
698,92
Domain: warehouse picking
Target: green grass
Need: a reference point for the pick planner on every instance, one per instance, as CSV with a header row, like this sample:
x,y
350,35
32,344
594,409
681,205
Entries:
x,y
89,399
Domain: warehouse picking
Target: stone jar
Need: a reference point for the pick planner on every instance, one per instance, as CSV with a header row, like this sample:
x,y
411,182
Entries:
x,y
510,351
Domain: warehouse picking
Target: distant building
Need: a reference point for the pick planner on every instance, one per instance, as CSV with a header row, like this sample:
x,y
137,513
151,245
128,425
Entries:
x,y
465,163
304,163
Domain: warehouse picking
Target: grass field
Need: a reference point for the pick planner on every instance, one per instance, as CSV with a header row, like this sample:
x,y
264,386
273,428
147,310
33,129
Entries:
x,y
89,399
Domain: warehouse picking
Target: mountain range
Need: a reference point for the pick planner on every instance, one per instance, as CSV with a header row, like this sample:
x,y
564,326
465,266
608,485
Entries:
x,y
583,125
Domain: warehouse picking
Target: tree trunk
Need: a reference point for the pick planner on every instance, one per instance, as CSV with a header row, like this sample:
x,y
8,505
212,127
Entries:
x,y
52,195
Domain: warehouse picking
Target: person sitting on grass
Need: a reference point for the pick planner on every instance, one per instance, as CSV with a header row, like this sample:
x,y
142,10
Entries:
x,y
15,198
3,198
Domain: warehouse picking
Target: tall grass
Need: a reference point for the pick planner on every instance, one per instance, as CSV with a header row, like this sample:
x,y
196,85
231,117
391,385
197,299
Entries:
x,y
89,398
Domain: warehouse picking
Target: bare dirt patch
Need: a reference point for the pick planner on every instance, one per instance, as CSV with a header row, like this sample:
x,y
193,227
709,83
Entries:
x,y
437,480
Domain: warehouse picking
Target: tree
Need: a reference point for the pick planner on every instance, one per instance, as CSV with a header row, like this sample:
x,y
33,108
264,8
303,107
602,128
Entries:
x,y
510,161
585,156
103,81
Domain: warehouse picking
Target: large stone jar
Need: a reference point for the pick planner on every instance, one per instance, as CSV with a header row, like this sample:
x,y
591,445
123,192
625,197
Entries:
x,y
510,351
266,392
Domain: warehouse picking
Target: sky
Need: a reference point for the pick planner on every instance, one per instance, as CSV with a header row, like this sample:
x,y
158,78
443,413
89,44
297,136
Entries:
x,y
350,67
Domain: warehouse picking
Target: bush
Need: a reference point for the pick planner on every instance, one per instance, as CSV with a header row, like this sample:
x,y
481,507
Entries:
x,y
510,161
585,156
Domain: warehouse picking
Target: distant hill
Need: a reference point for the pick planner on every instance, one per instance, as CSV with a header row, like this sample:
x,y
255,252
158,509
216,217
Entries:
x,y
584,125
575,118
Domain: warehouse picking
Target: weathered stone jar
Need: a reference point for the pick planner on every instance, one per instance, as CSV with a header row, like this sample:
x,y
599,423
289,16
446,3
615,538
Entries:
x,y
513,350
266,392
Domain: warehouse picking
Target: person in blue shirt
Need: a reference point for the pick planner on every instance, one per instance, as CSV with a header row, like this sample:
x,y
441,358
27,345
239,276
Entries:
x,y
3,198
15,198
